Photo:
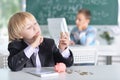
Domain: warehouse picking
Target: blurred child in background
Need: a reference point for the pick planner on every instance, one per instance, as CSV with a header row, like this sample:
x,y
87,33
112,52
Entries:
x,y
83,34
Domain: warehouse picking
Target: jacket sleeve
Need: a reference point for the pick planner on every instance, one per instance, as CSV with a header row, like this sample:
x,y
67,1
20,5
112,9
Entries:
x,y
17,58
59,58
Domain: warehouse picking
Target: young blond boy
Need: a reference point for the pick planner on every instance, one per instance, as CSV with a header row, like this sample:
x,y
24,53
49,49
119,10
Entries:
x,y
28,48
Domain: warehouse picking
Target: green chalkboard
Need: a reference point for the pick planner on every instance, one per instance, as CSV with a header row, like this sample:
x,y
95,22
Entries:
x,y
104,12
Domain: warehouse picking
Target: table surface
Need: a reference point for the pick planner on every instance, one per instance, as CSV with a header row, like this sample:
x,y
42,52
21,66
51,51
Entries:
x,y
103,72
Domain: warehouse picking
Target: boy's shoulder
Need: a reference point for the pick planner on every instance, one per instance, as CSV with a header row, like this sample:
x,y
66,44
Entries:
x,y
17,44
91,28
47,43
48,40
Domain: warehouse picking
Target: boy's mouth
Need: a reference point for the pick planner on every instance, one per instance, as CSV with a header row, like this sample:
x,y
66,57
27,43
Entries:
x,y
37,33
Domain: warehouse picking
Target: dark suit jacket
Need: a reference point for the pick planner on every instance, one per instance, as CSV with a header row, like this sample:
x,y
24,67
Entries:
x,y
48,52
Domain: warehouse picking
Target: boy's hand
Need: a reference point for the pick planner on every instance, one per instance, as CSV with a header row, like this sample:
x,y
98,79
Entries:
x,y
37,41
72,43
64,41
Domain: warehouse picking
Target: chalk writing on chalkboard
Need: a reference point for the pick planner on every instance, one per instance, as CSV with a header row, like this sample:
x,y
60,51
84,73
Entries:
x,y
104,12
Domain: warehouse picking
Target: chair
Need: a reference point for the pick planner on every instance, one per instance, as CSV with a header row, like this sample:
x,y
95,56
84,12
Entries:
x,y
84,55
56,26
3,61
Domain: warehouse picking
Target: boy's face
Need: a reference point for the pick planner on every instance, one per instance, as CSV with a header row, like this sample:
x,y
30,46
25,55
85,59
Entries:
x,y
81,21
30,30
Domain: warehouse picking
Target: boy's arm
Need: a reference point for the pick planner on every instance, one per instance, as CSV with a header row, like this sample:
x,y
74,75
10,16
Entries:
x,y
17,58
58,57
17,62
88,37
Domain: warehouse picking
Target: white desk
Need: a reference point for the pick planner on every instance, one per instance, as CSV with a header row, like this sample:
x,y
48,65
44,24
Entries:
x,y
104,72
108,51
103,50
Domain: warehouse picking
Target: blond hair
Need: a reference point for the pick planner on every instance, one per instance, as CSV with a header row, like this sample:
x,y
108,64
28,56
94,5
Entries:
x,y
16,23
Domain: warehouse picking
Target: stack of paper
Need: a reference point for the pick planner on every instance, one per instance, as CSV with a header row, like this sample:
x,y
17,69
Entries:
x,y
41,73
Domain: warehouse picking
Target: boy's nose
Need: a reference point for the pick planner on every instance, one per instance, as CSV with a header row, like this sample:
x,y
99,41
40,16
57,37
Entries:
x,y
35,27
